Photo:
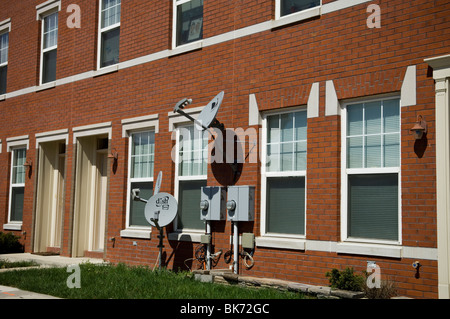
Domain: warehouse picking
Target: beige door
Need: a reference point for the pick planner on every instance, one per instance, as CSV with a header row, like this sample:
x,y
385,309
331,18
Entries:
x,y
90,195
50,196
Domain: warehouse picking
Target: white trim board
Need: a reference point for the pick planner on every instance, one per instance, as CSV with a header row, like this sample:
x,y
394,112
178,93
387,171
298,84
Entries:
x,y
221,38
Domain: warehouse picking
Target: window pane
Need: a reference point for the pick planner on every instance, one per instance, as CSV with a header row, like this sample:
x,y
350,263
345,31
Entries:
x,y
391,116
3,79
142,155
355,152
286,156
292,6
372,151
287,127
110,47
300,156
372,114
192,154
189,22
375,122
273,158
286,148
4,45
51,30
355,119
286,205
373,206
188,204
17,194
300,126
391,150
137,208
19,156
49,66
110,12
273,129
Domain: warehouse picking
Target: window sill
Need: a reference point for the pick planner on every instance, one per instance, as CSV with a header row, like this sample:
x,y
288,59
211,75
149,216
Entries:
x,y
383,250
2,97
186,48
186,236
136,233
296,17
280,242
46,86
107,70
12,226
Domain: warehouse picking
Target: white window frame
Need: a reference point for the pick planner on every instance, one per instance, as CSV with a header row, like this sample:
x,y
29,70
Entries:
x,y
187,46
101,30
5,27
345,172
43,10
297,16
14,144
185,233
129,127
278,240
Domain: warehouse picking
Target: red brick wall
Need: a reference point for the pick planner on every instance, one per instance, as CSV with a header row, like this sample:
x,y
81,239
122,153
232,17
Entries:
x,y
279,67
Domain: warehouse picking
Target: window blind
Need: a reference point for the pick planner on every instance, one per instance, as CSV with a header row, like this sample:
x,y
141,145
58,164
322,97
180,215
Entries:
x,y
373,206
286,205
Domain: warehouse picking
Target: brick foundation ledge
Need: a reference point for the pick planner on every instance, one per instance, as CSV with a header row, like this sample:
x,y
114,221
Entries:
x,y
225,276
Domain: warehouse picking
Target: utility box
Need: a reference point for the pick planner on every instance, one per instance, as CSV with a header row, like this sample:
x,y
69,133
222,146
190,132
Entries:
x,y
248,240
212,203
241,203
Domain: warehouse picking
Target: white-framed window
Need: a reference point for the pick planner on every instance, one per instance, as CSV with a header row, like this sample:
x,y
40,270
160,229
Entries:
x,y
17,185
287,7
190,175
283,174
4,46
187,21
109,33
371,196
49,46
140,175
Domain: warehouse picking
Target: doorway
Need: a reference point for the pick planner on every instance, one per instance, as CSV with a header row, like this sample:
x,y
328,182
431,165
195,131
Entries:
x,y
50,196
91,188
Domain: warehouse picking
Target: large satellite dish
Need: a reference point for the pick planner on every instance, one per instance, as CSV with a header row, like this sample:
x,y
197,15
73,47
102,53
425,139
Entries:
x,y
207,117
161,209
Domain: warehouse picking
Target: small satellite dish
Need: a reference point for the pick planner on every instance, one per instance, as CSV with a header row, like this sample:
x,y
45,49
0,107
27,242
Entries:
x,y
158,183
207,117
161,209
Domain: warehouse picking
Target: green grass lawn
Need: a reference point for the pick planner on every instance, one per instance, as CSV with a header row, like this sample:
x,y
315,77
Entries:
x,y
125,282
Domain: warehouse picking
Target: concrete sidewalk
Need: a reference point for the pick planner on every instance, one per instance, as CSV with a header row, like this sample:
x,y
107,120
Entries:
x,y
42,261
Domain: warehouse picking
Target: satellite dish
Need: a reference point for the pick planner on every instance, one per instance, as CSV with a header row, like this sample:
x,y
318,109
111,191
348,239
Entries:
x,y
161,209
207,117
158,183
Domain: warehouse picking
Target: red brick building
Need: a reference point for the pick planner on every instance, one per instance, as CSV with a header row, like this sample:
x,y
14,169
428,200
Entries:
x,y
326,91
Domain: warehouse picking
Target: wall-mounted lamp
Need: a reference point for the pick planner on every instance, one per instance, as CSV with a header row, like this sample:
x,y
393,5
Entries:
x,y
420,128
28,164
115,156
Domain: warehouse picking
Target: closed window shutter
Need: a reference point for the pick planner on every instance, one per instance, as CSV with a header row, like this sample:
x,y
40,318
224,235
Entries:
x,y
286,205
373,206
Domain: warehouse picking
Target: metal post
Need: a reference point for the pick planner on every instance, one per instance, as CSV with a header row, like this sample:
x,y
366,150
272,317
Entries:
x,y
160,246
208,247
236,248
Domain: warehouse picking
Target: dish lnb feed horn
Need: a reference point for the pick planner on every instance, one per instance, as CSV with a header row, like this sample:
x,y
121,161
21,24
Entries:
x,y
207,117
